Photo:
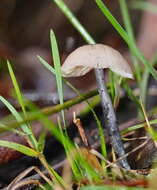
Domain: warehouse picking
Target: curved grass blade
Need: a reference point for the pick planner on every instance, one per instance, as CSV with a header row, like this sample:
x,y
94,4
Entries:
x,y
46,65
14,113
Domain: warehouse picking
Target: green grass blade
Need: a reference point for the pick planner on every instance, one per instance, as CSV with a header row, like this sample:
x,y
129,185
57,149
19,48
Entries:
x,y
12,109
113,21
20,148
46,65
57,65
129,29
138,126
18,117
14,112
67,12
16,87
127,20
58,74
112,85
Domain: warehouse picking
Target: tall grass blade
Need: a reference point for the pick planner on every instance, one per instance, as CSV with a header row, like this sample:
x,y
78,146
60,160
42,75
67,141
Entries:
x,y
74,21
129,29
16,87
57,66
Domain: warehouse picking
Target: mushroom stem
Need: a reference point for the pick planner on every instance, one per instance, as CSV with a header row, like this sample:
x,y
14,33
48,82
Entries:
x,y
110,118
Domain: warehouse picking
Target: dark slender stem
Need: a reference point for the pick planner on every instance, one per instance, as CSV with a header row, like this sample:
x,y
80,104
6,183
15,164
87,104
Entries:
x,y
110,118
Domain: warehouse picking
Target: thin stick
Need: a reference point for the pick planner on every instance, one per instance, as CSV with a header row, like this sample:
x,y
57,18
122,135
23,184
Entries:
x,y
111,121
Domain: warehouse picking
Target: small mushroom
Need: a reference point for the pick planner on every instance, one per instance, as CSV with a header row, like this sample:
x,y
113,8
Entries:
x,y
99,57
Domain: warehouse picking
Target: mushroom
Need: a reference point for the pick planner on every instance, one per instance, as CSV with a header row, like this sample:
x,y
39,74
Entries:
x,y
98,57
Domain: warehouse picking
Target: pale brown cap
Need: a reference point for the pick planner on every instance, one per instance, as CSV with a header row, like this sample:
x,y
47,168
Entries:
x,y
88,57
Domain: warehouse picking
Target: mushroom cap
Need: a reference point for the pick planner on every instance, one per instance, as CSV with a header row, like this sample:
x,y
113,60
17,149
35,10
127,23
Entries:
x,y
88,57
